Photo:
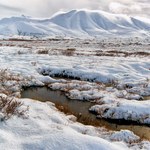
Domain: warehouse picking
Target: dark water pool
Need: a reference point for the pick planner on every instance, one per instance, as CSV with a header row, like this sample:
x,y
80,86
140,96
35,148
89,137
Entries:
x,y
80,110
147,98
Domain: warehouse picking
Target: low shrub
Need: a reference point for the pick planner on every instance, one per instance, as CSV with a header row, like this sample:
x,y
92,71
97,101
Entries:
x,y
10,107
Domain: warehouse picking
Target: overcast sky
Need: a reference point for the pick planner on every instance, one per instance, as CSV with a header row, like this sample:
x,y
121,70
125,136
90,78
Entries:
x,y
45,8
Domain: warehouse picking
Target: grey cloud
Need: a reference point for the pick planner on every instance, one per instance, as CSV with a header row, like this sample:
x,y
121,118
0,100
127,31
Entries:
x,y
8,8
9,11
45,8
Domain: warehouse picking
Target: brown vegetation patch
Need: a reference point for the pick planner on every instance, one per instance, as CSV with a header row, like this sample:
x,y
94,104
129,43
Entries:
x,y
68,51
10,107
113,53
43,51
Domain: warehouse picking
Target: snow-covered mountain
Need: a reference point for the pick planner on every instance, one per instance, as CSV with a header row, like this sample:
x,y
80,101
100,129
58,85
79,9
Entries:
x,y
76,23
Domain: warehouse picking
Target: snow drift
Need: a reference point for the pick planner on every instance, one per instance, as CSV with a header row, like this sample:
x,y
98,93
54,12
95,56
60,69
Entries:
x,y
76,23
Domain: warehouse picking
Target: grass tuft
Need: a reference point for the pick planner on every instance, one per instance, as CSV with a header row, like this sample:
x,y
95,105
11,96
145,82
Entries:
x,y
10,107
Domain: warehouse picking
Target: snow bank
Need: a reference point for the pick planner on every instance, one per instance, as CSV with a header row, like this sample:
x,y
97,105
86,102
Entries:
x,y
46,128
124,135
129,110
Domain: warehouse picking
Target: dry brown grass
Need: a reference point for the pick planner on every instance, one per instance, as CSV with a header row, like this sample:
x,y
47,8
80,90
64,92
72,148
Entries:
x,y
11,83
65,109
6,76
87,120
69,52
16,39
43,51
112,83
10,107
115,53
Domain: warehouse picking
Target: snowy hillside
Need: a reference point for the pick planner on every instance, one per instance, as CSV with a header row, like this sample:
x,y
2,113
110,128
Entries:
x,y
76,23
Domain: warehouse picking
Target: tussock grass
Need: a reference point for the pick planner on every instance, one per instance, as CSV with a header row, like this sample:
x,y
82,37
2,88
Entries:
x,y
11,83
115,53
69,52
43,51
10,107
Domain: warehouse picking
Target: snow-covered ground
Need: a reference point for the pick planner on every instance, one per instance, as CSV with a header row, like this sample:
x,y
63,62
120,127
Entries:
x,y
115,74
47,128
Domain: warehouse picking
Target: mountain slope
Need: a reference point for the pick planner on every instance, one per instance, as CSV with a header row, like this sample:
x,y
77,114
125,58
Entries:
x,y
76,23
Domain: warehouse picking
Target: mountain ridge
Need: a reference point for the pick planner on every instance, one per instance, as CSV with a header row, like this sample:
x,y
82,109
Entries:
x,y
76,23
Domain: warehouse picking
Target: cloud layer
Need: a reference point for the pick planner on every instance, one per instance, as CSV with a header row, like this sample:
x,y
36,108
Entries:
x,y
45,8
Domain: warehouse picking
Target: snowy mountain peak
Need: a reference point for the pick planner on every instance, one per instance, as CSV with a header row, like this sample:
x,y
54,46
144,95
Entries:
x,y
77,23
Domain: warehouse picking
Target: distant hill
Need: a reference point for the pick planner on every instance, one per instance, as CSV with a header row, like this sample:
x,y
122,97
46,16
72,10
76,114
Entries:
x,y
76,23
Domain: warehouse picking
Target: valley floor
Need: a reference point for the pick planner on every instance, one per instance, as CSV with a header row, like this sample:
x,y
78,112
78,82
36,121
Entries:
x,y
114,74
